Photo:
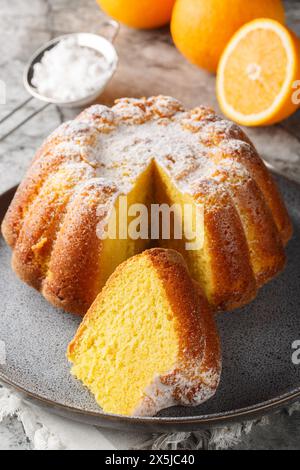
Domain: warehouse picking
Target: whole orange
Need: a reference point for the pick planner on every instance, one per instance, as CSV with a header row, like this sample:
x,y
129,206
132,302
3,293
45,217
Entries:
x,y
202,28
144,14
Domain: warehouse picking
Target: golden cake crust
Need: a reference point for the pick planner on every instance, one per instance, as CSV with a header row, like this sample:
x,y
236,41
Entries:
x,y
247,224
198,373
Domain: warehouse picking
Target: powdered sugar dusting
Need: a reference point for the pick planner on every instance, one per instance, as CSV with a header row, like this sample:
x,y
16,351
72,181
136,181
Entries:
x,y
70,72
189,387
121,142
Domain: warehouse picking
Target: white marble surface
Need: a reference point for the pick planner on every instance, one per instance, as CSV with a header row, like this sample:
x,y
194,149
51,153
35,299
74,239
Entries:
x,y
25,25
12,435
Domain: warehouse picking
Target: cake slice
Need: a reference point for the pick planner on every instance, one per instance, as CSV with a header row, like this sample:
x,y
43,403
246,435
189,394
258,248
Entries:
x,y
149,340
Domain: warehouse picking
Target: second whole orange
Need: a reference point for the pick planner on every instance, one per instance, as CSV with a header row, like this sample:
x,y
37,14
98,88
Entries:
x,y
202,28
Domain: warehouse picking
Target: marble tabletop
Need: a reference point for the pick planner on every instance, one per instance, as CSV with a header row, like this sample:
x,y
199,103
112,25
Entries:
x,y
149,65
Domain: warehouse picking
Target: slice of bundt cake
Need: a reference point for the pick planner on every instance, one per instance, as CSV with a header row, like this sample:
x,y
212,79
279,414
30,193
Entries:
x,y
149,151
149,340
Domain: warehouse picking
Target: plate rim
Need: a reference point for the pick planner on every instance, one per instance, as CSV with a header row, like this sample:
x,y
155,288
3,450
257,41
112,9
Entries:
x,y
213,419
108,419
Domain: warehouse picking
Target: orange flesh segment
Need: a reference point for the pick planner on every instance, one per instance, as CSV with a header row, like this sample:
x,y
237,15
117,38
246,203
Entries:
x,y
257,67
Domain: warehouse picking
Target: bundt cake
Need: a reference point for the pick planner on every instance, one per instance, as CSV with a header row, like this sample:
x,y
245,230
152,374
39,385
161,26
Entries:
x,y
149,340
153,151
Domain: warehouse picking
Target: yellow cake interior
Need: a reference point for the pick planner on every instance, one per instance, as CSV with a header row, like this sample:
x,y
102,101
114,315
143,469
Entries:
x,y
154,186
127,339
115,250
197,259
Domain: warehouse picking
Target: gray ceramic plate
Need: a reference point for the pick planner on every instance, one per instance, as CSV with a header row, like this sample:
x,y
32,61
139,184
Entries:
x,y
258,373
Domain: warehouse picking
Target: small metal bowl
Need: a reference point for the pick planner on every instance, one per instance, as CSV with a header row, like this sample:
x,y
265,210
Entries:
x,y
96,42
93,41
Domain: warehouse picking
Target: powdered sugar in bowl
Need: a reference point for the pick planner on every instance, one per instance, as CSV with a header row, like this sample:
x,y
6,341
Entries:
x,y
71,70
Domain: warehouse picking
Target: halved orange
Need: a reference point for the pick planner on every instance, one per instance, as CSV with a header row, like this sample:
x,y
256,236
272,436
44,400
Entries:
x,y
258,73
